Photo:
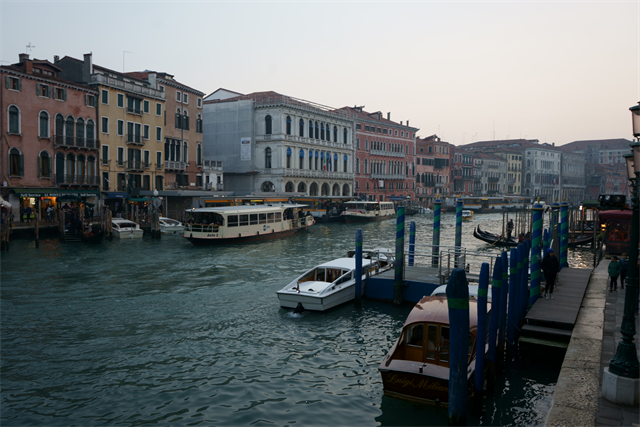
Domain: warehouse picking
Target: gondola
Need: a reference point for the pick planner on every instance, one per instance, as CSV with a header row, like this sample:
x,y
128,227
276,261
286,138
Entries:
x,y
494,239
95,237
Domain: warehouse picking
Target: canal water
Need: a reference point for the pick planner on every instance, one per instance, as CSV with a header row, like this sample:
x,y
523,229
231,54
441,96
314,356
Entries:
x,y
162,332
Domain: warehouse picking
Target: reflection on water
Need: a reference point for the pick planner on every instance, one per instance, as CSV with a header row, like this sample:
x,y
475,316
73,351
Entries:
x,y
163,332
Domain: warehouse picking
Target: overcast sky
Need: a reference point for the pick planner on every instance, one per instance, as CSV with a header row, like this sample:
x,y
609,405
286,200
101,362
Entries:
x,y
467,71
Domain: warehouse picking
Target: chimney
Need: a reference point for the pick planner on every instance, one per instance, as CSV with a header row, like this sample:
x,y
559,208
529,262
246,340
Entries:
x,y
56,59
389,116
28,64
407,123
400,122
87,67
23,57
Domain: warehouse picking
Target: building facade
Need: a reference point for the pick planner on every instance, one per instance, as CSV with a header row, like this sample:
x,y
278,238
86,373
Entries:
x,y
514,171
425,178
542,172
270,142
493,176
462,173
50,148
384,157
572,176
442,161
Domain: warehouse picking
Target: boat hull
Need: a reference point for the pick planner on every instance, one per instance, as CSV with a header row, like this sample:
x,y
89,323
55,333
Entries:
x,y
315,303
203,241
128,234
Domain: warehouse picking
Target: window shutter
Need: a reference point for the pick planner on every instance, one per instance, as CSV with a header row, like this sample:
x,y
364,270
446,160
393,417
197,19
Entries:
x,y
95,101
37,89
20,165
64,94
19,85
48,91
6,82
48,166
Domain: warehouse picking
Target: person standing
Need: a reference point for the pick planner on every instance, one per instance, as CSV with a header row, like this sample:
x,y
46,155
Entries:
x,y
624,268
22,213
614,272
550,266
28,212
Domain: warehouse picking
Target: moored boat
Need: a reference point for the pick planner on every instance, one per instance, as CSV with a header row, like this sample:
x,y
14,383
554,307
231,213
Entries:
x,y
170,226
233,224
125,229
417,366
361,211
468,215
327,285
494,239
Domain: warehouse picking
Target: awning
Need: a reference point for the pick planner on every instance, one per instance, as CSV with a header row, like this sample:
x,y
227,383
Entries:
x,y
139,199
116,195
54,192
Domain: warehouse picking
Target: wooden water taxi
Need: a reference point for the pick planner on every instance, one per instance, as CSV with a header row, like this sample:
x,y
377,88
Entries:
x,y
417,366
248,223
368,211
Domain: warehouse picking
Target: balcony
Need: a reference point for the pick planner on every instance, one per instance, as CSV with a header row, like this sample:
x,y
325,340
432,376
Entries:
x,y
120,163
105,162
158,166
74,142
307,173
377,175
135,165
128,86
176,166
134,139
493,179
303,139
386,153
135,111
212,166
68,180
146,165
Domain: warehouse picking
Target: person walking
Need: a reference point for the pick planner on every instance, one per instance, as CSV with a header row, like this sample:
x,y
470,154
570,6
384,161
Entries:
x,y
28,212
550,266
624,268
614,272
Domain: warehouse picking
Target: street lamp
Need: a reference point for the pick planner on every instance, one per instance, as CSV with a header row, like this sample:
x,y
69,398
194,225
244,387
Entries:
x,y
625,362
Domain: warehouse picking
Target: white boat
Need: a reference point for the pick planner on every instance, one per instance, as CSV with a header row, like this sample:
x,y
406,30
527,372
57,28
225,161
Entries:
x,y
170,226
468,215
368,211
233,224
327,285
441,291
125,229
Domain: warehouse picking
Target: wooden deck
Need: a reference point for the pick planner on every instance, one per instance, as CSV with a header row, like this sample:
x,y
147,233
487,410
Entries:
x,y
550,322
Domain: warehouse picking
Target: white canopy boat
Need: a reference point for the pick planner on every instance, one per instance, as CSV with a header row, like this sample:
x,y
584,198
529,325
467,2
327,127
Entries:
x,y
327,285
170,226
125,229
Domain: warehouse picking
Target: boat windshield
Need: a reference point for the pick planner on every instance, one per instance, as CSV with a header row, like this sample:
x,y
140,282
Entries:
x,y
204,218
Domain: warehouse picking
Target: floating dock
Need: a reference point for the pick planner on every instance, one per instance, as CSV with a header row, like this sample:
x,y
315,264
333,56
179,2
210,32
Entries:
x,y
418,282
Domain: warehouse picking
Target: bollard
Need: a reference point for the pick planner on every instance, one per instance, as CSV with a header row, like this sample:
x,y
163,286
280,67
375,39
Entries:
x,y
412,242
398,279
503,308
481,339
436,233
458,238
494,320
536,241
564,234
512,316
358,256
458,304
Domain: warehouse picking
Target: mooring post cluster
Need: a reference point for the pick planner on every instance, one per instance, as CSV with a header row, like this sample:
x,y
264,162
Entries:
x,y
436,233
399,265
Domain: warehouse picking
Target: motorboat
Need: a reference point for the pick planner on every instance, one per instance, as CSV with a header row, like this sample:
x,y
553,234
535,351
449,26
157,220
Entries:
x,y
125,229
468,215
170,226
327,285
441,291
361,211
246,223
417,366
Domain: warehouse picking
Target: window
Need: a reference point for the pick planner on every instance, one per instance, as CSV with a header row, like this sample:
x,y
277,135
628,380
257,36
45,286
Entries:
x,y
43,90
344,133
288,125
13,83
105,154
145,134
178,96
158,109
267,158
133,105
199,155
199,123
335,134
185,98
289,157
44,125
120,127
145,106
178,119
147,159
158,133
105,181
45,165
105,97
60,94
321,131
91,101
317,133
199,102
105,125
14,120
159,159
121,100
16,164
301,127
310,128
267,125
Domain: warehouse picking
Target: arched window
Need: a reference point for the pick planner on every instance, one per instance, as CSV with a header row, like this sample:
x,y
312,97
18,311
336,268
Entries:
x,y
313,189
268,186
317,134
366,145
59,168
44,125
185,119
59,129
69,131
16,163
199,123
310,128
91,137
71,168
335,191
288,125
301,130
301,158
177,150
44,163
289,157
92,175
344,133
345,190
345,163
310,159
185,152
267,125
199,155
322,131
289,187
14,119
335,134
80,132
302,187
367,185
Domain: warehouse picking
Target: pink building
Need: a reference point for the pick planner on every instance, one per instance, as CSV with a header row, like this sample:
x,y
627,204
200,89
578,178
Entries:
x,y
425,180
49,146
385,157
442,153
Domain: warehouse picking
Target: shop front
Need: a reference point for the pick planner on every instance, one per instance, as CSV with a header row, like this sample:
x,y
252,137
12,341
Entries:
x,y
27,203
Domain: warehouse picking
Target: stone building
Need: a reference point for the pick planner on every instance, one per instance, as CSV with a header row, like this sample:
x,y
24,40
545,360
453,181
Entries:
x,y
442,161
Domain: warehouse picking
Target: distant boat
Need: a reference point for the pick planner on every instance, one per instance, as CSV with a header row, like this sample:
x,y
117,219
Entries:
x,y
368,211
125,229
170,226
468,215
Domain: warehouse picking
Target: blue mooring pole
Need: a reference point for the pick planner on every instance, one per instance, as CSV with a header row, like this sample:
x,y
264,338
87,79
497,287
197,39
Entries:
x,y
458,239
481,339
564,235
526,272
504,259
358,256
512,316
458,304
521,285
398,280
494,322
435,254
412,242
536,247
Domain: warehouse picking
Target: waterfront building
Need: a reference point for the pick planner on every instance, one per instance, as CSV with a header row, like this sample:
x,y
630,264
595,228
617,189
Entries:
x,y
600,151
493,174
478,187
131,127
542,172
442,160
605,179
514,171
462,172
50,150
425,181
572,176
184,167
270,142
384,156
